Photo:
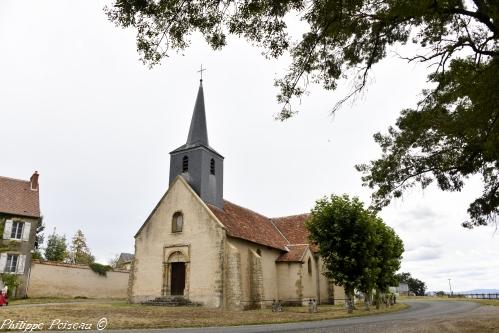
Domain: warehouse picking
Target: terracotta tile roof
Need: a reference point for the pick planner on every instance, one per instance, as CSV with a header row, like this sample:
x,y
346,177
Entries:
x,y
17,198
293,228
246,224
296,253
281,233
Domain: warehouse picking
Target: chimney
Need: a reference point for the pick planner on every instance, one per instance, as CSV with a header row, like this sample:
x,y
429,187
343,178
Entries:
x,y
34,181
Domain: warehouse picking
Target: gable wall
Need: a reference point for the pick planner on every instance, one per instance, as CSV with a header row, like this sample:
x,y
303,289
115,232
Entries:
x,y
201,241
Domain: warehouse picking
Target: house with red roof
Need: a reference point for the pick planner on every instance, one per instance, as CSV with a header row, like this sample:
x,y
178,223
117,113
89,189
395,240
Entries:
x,y
19,219
197,246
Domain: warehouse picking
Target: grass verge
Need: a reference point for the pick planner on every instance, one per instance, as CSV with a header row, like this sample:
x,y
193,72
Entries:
x,y
119,314
492,302
49,300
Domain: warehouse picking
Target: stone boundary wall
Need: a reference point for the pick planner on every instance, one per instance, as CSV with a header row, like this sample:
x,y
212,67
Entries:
x,y
54,279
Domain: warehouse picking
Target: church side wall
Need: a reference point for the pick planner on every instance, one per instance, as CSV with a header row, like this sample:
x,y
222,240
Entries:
x,y
330,293
309,279
201,243
268,271
297,285
339,294
290,286
233,276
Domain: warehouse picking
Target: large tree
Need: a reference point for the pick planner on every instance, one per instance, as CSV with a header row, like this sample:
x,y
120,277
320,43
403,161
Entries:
x,y
359,250
451,135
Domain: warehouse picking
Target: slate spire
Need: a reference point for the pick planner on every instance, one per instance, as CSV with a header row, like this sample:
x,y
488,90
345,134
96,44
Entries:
x,y
198,133
199,164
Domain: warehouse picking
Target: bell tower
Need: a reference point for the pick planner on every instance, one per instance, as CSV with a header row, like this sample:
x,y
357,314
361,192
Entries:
x,y
199,164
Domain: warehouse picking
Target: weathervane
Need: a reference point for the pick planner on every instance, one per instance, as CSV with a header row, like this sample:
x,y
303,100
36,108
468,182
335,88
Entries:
x,y
201,71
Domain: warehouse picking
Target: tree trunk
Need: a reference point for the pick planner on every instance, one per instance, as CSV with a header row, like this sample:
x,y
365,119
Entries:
x,y
349,295
367,301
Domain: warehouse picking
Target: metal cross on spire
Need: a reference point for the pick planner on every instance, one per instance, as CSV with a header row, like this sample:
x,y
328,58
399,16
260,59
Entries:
x,y
201,71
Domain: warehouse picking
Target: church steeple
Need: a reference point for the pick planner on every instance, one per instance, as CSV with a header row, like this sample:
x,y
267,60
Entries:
x,y
198,133
199,164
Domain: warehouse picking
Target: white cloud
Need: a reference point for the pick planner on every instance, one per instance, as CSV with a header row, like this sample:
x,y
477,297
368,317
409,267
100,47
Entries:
x,y
423,254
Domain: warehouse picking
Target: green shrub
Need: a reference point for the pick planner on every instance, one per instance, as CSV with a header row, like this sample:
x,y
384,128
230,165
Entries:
x,y
11,281
37,255
100,269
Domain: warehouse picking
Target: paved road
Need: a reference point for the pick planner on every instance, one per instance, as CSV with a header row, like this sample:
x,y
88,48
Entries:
x,y
419,311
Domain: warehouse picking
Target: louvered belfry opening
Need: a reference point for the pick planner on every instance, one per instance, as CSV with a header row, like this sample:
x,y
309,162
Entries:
x,y
212,166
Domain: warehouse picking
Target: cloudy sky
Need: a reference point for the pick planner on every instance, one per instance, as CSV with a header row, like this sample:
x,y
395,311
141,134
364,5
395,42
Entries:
x,y
77,105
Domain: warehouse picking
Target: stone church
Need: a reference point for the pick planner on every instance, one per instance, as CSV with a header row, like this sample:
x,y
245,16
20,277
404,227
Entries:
x,y
197,245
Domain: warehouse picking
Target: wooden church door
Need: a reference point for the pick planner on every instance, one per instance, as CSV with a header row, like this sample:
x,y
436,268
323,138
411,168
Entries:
x,y
178,278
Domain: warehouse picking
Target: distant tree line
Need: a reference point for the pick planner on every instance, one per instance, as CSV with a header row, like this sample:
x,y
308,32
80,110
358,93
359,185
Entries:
x,y
77,252
416,286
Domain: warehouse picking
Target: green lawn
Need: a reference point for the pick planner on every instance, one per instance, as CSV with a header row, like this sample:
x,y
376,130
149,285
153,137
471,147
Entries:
x,y
120,314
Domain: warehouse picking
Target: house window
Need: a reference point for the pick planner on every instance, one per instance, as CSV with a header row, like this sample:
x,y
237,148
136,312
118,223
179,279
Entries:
x,y
259,252
11,265
185,164
212,166
309,264
17,230
178,222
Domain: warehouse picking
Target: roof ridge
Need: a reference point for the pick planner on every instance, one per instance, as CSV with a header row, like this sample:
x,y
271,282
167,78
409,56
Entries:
x,y
16,179
280,232
247,209
268,218
303,254
288,216
244,223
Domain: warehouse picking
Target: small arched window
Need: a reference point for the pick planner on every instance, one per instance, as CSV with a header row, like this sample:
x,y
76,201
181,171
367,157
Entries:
x,y
185,164
309,264
177,222
212,166
259,252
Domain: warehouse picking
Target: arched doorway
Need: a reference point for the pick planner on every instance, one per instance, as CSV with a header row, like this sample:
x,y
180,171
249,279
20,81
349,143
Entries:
x,y
176,279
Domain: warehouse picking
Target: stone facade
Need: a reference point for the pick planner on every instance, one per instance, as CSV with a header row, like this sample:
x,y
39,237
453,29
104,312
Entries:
x,y
201,243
